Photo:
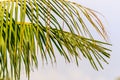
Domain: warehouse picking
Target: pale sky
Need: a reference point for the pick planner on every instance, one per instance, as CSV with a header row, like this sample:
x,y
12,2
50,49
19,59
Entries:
x,y
62,71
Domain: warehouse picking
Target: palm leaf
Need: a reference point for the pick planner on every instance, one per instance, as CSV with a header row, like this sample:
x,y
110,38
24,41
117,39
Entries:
x,y
48,21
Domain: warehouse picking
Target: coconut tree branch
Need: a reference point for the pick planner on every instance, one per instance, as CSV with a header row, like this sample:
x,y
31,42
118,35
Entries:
x,y
44,31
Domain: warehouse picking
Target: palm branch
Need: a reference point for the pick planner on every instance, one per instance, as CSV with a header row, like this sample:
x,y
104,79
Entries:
x,y
27,25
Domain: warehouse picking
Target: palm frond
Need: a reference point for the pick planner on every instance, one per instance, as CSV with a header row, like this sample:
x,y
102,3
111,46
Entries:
x,y
48,20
